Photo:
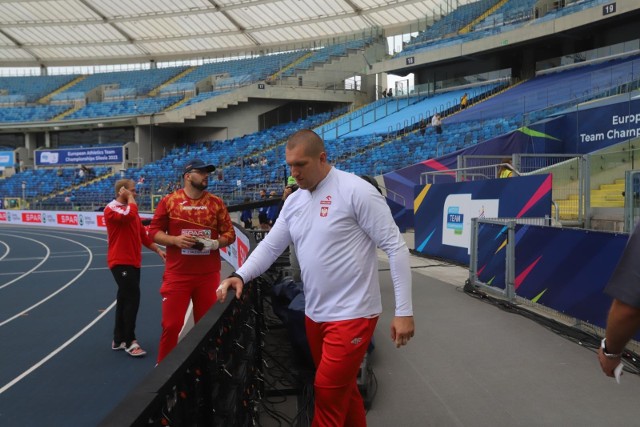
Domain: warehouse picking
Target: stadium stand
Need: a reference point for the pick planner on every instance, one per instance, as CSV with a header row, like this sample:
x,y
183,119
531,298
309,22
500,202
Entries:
x,y
142,82
33,87
123,108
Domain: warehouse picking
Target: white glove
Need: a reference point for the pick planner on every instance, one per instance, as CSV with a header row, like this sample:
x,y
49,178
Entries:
x,y
210,244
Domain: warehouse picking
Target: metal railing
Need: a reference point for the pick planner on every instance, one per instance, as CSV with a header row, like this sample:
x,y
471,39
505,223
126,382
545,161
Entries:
x,y
509,290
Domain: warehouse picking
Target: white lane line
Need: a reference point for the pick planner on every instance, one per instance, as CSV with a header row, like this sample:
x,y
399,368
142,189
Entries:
x,y
69,283
56,351
37,265
35,258
8,249
75,255
73,270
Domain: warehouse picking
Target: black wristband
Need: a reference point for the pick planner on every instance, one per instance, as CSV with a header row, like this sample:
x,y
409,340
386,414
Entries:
x,y
605,351
234,274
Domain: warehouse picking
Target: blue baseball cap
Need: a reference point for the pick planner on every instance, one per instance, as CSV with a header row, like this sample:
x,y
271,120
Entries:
x,y
197,164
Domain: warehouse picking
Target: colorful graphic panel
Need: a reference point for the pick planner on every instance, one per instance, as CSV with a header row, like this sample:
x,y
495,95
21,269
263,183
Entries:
x,y
443,212
561,268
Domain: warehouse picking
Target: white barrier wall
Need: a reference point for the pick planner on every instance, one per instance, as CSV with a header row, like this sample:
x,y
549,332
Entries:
x,y
235,254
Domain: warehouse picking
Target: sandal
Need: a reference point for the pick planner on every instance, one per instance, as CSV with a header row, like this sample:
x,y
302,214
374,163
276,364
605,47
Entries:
x,y
121,346
135,350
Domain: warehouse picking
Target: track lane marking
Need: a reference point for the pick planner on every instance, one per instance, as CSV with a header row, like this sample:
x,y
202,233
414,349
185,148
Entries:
x,y
7,252
56,351
71,270
37,265
69,283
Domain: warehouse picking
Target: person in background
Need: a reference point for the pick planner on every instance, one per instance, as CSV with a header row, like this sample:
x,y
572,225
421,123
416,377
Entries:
x,y
263,219
464,101
423,126
274,210
126,235
506,170
335,221
193,224
247,216
436,123
623,321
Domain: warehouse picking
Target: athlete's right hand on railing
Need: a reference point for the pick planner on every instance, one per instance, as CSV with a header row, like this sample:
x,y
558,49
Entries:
x,y
232,282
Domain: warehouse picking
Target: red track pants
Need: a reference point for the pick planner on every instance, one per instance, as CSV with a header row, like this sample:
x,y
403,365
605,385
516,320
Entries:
x,y
176,293
338,349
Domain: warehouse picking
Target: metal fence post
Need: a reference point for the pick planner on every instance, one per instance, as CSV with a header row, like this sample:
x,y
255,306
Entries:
x,y
473,251
510,262
585,198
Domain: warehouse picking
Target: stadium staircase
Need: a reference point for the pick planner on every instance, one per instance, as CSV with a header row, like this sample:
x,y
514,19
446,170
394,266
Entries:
x,y
173,79
293,64
66,113
212,105
47,98
467,28
177,104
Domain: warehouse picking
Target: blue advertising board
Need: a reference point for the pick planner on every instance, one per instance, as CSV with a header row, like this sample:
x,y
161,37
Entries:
x,y
564,269
591,129
7,159
79,156
443,212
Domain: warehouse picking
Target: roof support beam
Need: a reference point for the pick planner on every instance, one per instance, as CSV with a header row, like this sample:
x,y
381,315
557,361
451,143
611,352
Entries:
x,y
106,20
235,23
20,46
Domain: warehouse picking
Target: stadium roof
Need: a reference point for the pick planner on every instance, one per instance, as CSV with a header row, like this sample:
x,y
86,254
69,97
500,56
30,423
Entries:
x,y
93,32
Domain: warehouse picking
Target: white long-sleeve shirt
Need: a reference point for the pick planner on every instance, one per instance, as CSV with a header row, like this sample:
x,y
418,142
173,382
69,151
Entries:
x,y
335,230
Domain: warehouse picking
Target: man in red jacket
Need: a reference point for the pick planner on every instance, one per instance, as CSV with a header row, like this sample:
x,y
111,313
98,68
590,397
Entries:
x,y
193,225
126,235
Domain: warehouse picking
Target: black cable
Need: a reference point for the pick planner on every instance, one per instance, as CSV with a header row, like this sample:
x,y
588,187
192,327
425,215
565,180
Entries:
x,y
307,398
374,387
276,415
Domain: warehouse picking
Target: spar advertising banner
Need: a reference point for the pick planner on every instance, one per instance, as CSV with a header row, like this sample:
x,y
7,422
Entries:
x,y
236,254
79,156
443,212
7,159
64,219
